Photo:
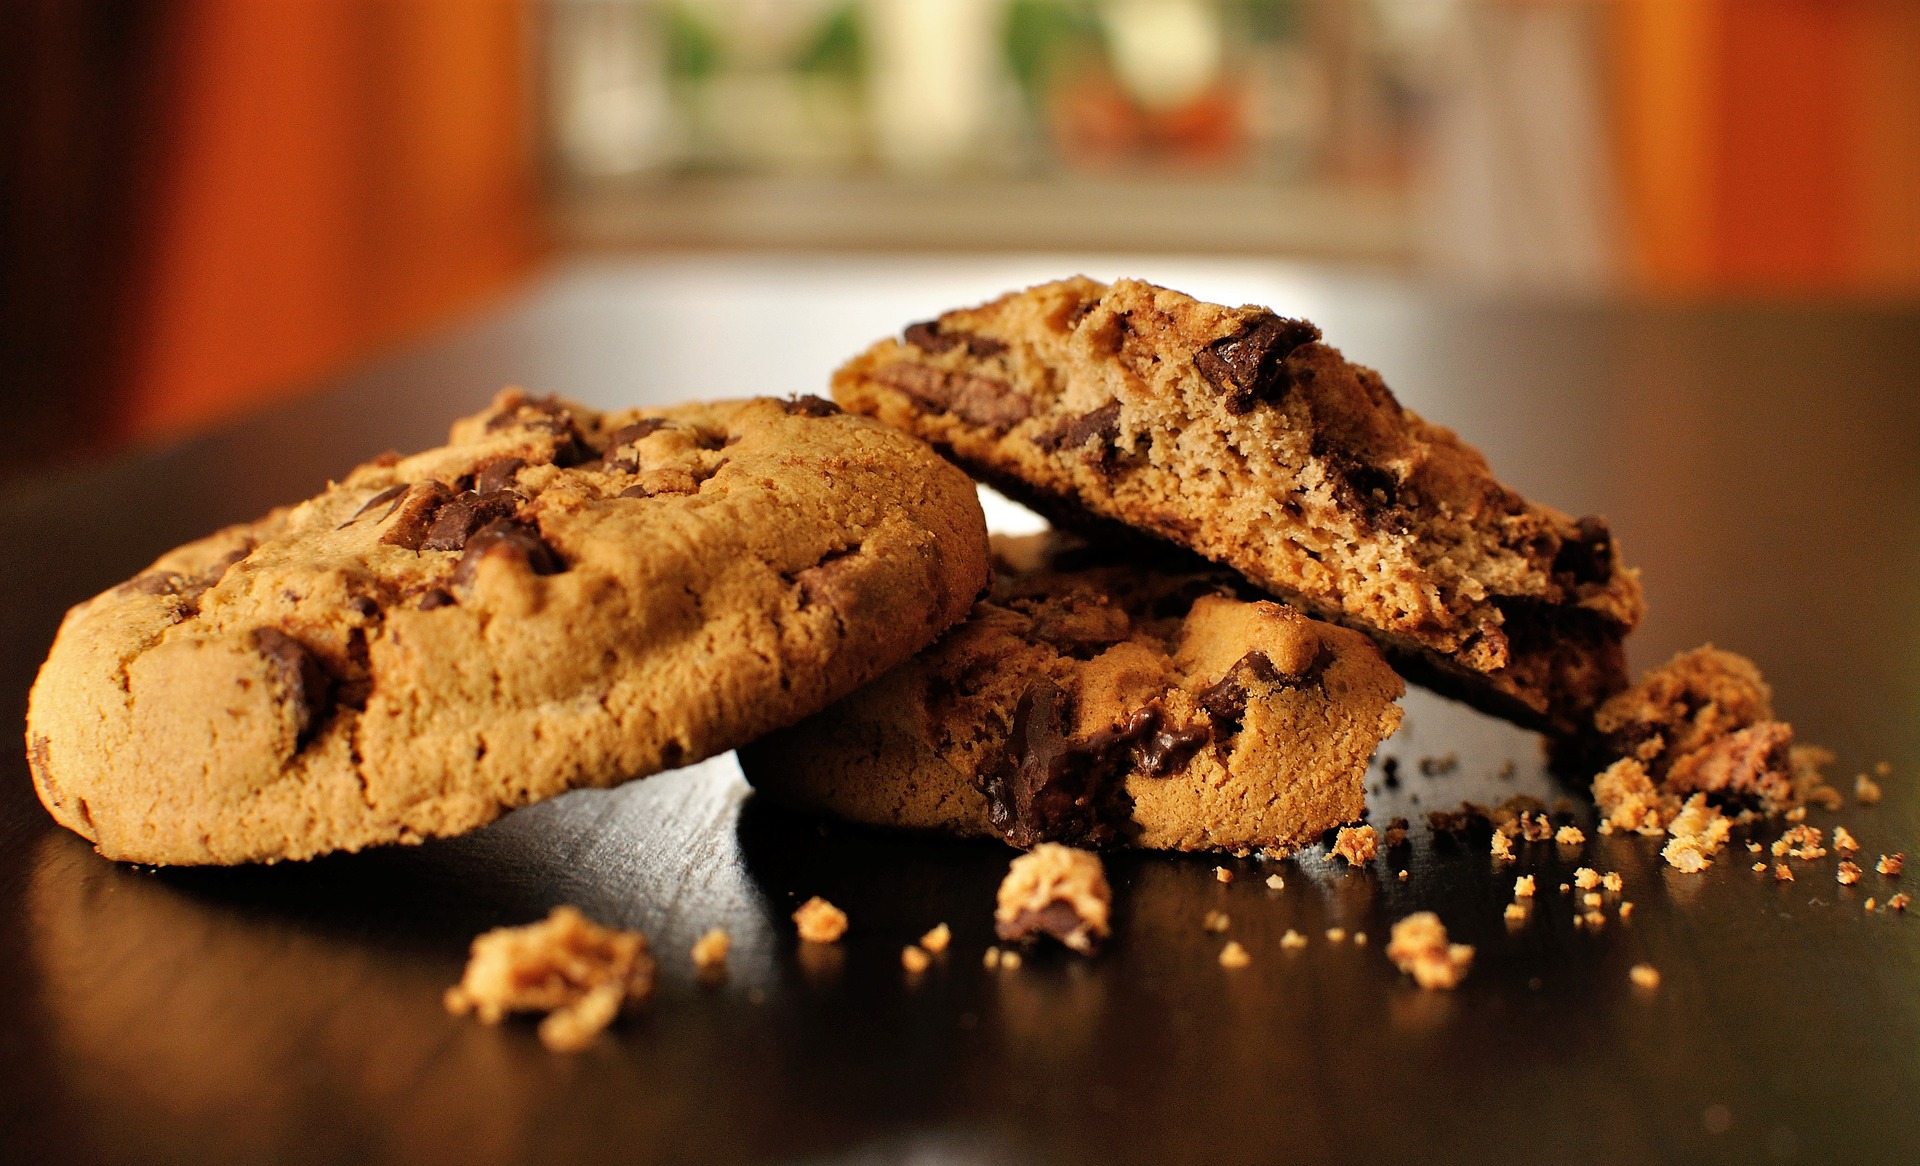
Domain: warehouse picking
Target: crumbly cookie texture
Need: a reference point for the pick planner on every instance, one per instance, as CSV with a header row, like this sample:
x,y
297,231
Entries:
x,y
580,973
1235,433
1058,891
557,598
1419,948
819,921
1699,727
1099,700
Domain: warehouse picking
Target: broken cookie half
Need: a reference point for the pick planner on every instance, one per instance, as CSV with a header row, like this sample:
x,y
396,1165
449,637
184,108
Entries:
x,y
1105,703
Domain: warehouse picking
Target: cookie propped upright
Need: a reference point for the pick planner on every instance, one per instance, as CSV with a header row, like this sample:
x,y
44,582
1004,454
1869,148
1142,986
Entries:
x,y
1237,434
1100,701
557,598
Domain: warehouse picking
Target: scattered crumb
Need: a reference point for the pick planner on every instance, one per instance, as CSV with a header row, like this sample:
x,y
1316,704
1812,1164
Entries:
x,y
1883,769
1516,912
1797,814
1234,956
1612,883
820,921
1759,868
1843,841
1779,847
1403,876
1216,921
580,973
1899,902
1579,921
1802,842
1566,888
1782,873
1058,891
1644,976
1569,835
1419,948
1866,791
1605,828
1336,935
914,959
1276,883
1586,878
1009,961
710,954
1359,939
1293,940
1396,833
1502,847
991,959
1535,827
1848,874
1595,920
1591,899
936,940
1891,864
1222,874
1869,903
1357,844
1627,799
1696,833
1523,887
1626,910
1753,848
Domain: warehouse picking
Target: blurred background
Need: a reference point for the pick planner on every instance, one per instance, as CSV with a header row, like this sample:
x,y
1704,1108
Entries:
x,y
208,205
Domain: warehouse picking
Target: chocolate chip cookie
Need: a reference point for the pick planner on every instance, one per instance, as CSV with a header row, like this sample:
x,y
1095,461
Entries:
x,y
1099,700
557,598
1236,433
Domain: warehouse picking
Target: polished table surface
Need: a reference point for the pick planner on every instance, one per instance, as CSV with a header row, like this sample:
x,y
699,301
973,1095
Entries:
x,y
1760,462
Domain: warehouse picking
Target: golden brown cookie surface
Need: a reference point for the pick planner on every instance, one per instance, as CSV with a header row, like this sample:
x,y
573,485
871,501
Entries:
x,y
557,598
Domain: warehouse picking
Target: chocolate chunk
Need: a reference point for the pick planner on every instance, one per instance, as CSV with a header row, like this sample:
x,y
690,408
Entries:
x,y
1103,423
156,583
1056,790
929,336
364,606
544,410
389,495
413,516
436,597
810,406
1589,556
826,584
635,492
496,476
1367,491
1226,699
628,434
1167,750
1247,367
1057,919
302,684
984,401
459,518
504,536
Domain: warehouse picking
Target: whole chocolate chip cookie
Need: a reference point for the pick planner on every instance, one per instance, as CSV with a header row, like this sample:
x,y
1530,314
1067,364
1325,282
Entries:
x,y
557,598
1236,433
1098,700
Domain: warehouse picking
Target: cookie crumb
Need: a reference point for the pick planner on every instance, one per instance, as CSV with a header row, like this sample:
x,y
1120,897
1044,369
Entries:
x,y
1222,874
914,959
1336,935
1866,791
1569,835
1276,883
1516,912
936,940
1359,939
820,921
1891,865
1419,948
1594,920
1782,873
1586,878
1357,844
1797,814
1695,834
1058,891
1009,961
1566,888
580,973
1293,940
1612,883
1753,848
1234,956
1502,847
1590,900
991,959
1759,868
1396,835
1869,905
1847,874
1644,976
1523,887
1403,876
1843,841
710,954
1216,921
1899,902
1626,910
1883,769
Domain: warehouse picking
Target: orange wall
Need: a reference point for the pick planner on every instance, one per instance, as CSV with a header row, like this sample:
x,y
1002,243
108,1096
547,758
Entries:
x,y
335,175
1771,144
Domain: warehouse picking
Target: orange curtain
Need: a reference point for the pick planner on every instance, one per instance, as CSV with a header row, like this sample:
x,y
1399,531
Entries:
x,y
1772,145
335,176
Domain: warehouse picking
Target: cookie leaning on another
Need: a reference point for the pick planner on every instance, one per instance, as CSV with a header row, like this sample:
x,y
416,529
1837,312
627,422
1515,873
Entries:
x,y
1104,702
558,598
1235,433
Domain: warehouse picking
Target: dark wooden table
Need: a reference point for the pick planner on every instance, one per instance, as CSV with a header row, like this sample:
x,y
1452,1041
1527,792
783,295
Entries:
x,y
1761,463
